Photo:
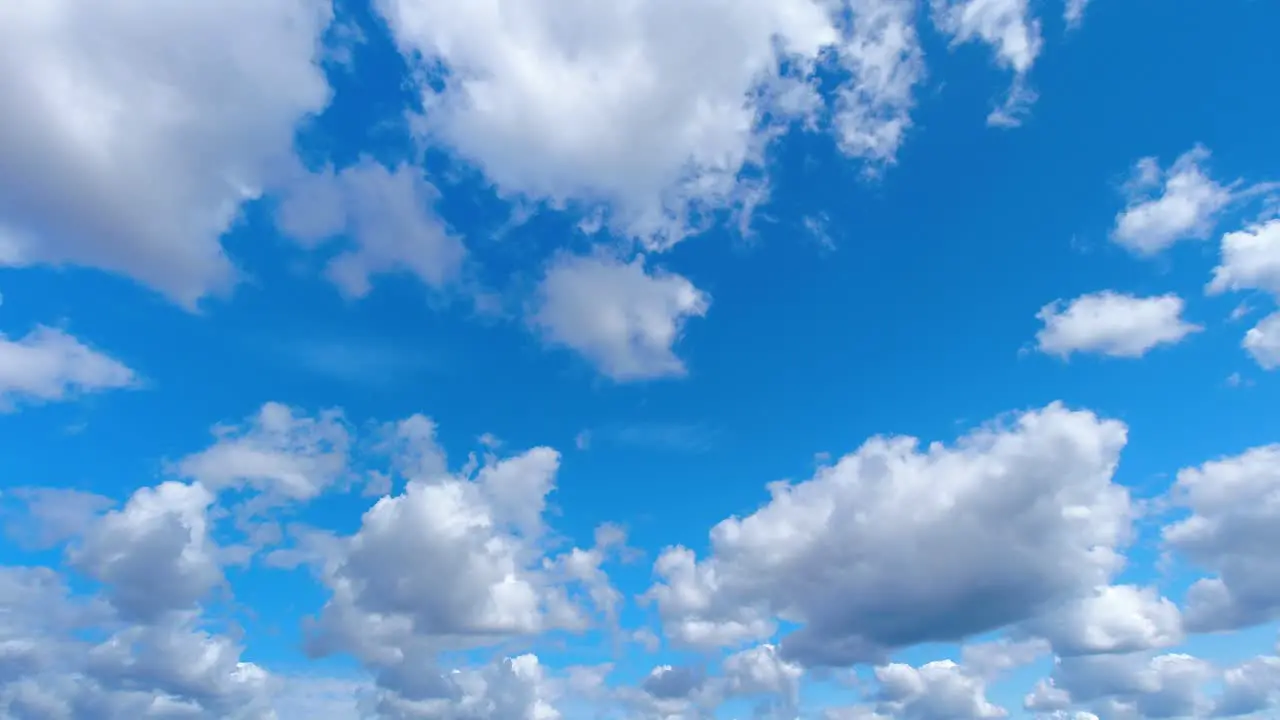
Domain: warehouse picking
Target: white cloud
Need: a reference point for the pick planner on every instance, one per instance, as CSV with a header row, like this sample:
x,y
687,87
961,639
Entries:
x,y
1250,687
1114,619
386,214
278,451
143,653
1111,323
1232,531
934,690
1262,341
654,108
1135,685
47,364
154,554
1250,260
454,561
896,545
134,131
1187,206
1073,13
621,317
1014,36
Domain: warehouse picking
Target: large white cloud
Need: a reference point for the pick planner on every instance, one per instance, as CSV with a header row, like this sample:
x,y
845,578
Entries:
x,y
895,545
654,108
48,364
134,130
1111,323
1232,529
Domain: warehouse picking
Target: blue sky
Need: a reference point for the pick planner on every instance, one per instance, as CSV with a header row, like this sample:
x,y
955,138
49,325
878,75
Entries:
x,y
414,359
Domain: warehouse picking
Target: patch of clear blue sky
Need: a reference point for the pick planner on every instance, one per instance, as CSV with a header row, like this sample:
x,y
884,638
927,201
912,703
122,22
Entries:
x,y
912,324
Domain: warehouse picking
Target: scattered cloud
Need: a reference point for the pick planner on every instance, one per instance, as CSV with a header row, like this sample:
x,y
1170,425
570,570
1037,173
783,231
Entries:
x,y
622,317
840,576
49,365
1262,342
386,214
135,131
1250,260
1166,206
1111,323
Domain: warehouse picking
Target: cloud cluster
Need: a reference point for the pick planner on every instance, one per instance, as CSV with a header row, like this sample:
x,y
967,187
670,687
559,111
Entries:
x,y
1018,526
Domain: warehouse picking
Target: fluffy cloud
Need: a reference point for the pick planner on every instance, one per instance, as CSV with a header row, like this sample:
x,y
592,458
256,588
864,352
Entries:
x,y
387,216
1128,686
1250,260
134,131
1262,341
279,452
896,545
1250,687
623,318
456,560
939,689
1112,323
149,656
1231,530
1114,619
590,102
1186,207
47,364
154,554
934,690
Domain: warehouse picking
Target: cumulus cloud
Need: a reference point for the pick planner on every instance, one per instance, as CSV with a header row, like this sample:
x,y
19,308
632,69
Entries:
x,y
1114,619
1017,525
154,554
937,689
622,317
1073,12
386,214
1250,260
143,652
279,451
659,110
1139,685
895,545
1166,206
47,365
1111,323
1262,341
1231,531
134,131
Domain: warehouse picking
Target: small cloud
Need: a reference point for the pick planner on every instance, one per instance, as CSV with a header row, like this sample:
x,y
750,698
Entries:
x,y
583,440
1235,380
1111,323
1186,206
